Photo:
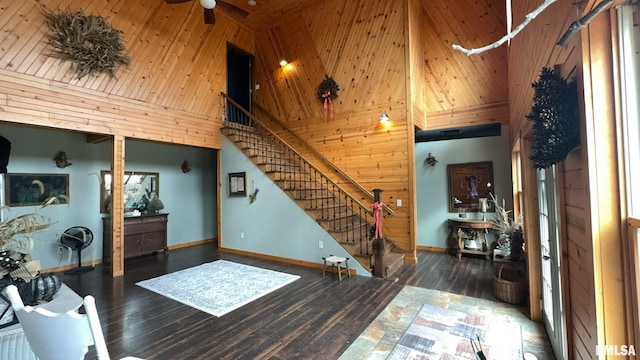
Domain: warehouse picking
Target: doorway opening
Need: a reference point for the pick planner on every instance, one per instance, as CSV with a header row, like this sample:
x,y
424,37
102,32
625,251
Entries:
x,y
240,76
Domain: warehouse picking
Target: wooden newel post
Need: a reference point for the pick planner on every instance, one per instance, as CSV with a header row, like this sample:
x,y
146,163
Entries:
x,y
376,195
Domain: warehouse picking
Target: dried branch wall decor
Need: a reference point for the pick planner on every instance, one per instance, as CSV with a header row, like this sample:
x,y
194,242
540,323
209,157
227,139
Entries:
x,y
326,92
87,40
556,128
527,19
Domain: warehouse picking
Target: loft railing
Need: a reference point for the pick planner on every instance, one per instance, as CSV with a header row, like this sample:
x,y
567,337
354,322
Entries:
x,y
331,164
345,216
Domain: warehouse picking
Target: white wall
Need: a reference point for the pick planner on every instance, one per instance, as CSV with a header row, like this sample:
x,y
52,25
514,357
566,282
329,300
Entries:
x,y
431,181
190,199
274,224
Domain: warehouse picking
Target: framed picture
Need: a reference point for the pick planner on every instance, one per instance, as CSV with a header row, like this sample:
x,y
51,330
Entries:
x,y
468,183
238,184
34,189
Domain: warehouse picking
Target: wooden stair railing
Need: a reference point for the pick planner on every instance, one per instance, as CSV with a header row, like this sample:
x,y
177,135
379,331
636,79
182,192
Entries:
x,y
344,217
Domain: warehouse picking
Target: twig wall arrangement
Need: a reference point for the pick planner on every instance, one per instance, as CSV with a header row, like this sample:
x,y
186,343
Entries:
x,y
88,41
582,22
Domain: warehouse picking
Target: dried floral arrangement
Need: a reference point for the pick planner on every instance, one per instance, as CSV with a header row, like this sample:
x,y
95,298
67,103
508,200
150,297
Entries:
x,y
503,222
87,40
15,232
510,241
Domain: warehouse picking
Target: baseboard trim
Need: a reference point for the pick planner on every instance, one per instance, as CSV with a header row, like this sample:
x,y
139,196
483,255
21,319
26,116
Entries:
x,y
99,261
192,243
432,248
280,259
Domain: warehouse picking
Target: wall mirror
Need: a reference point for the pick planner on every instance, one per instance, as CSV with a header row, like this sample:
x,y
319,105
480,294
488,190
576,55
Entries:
x,y
136,185
468,183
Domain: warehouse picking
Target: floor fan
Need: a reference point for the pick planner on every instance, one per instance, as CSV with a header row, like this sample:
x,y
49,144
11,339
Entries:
x,y
77,238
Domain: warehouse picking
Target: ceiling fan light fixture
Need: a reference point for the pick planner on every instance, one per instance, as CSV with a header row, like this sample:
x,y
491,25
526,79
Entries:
x,y
208,4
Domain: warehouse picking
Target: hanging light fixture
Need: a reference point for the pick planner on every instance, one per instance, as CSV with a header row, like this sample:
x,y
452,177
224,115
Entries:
x,y
208,4
283,62
252,3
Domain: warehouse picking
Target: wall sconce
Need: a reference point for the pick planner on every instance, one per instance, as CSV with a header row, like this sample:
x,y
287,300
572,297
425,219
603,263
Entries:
x,y
61,160
185,167
283,62
384,118
251,3
431,160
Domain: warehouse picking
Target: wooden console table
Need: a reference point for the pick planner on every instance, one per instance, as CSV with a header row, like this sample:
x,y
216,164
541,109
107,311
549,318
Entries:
x,y
143,235
461,229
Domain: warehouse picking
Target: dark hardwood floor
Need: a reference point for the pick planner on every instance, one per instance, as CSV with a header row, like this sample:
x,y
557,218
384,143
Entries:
x,y
311,318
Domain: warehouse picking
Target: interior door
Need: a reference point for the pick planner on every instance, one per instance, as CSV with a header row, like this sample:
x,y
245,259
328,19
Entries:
x,y
550,260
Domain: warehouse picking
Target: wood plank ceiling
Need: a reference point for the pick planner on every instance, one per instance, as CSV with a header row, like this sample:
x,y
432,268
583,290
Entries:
x,y
460,90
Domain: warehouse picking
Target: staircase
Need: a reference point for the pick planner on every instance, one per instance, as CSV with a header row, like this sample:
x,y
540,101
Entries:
x,y
341,215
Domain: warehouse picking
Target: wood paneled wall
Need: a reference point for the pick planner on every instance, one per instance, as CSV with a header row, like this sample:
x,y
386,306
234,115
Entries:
x,y
532,49
464,90
578,257
392,56
591,248
361,44
168,93
386,56
415,65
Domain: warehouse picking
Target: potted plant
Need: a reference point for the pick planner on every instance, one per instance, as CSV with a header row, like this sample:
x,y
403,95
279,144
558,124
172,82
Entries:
x,y
510,282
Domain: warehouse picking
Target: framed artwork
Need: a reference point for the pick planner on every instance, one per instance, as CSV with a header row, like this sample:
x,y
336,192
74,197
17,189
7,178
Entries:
x,y
34,189
238,184
468,183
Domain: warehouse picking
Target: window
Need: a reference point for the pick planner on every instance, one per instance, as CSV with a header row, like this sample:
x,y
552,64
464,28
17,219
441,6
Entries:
x,y
629,45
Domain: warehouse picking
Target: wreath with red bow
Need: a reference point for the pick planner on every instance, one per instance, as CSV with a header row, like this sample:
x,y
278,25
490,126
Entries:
x,y
328,88
328,91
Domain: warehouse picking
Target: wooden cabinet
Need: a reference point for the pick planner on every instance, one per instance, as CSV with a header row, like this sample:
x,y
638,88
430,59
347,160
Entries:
x,y
473,231
143,235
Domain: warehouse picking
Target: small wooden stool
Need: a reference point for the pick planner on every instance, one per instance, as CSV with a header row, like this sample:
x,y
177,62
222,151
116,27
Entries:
x,y
335,261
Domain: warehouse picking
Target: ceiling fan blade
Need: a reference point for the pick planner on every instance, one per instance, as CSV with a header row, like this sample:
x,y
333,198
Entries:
x,y
209,17
176,1
232,10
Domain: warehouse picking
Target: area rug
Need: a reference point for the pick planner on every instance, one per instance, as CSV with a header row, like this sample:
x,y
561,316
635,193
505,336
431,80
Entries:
x,y
218,287
439,333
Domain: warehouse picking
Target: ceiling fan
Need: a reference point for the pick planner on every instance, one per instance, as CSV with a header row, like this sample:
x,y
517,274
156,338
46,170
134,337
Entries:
x,y
209,5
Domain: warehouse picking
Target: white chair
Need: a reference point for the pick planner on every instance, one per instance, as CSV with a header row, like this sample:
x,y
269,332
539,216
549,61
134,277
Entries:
x,y
60,336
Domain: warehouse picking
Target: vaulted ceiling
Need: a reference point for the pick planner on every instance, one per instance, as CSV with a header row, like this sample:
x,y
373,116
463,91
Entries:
x,y
268,12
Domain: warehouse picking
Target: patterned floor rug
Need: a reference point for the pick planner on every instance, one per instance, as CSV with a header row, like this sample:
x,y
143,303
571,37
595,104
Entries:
x,y
218,287
439,333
